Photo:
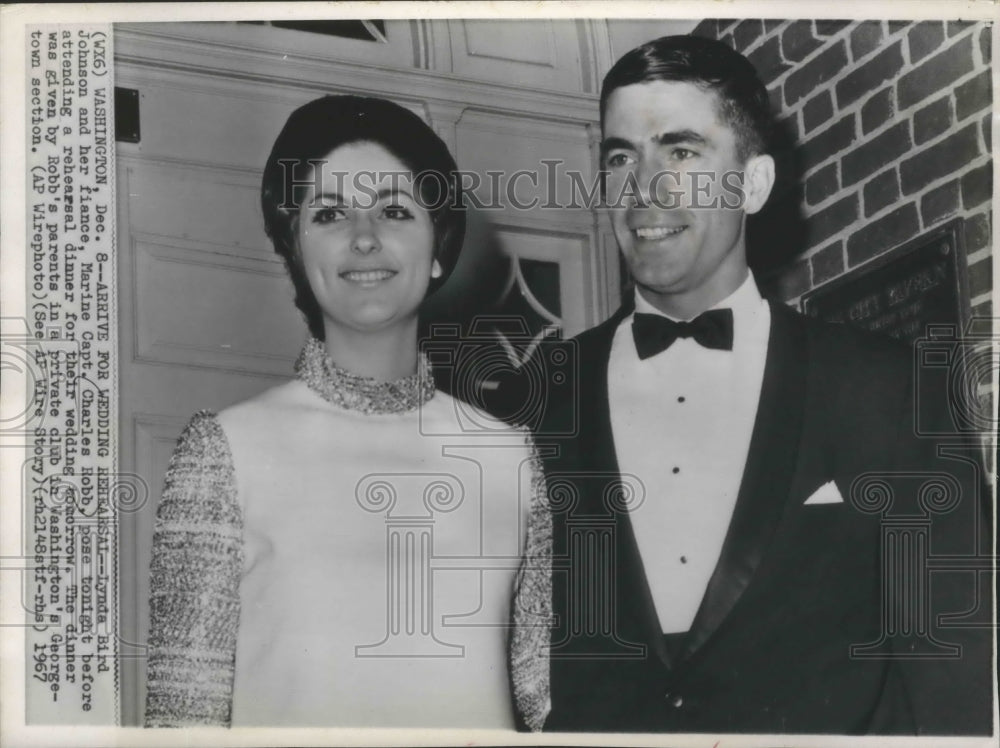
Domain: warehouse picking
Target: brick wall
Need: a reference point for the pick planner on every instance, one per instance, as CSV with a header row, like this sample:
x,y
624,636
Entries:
x,y
886,133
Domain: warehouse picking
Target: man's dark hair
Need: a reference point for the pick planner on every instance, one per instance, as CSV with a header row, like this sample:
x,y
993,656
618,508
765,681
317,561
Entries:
x,y
712,66
319,127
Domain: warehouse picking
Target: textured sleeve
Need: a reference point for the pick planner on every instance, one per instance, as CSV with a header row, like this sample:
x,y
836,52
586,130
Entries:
x,y
532,609
194,583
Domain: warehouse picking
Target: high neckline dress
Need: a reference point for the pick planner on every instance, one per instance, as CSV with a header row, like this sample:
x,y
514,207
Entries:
x,y
339,551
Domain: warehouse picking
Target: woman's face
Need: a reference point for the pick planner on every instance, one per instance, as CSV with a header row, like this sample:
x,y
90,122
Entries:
x,y
367,244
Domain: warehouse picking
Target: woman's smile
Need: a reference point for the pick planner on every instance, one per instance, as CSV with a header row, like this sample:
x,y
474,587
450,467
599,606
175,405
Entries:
x,y
368,278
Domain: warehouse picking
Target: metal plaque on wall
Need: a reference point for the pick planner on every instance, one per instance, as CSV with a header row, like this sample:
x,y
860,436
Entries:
x,y
924,282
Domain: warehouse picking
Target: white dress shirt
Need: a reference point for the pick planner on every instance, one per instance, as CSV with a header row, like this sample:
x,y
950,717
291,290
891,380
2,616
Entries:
x,y
682,422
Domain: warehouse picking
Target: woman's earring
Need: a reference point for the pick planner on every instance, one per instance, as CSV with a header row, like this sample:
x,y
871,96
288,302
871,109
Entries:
x,y
436,270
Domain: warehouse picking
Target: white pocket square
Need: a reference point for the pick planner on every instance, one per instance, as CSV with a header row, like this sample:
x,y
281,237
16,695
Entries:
x,y
828,493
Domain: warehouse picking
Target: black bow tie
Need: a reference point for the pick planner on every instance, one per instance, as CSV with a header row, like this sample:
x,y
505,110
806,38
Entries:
x,y
654,333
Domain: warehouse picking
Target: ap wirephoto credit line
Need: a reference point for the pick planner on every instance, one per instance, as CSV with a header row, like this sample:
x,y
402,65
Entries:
x,y
72,492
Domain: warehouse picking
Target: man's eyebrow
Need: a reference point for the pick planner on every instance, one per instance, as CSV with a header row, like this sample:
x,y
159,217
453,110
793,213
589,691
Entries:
x,y
674,137
610,144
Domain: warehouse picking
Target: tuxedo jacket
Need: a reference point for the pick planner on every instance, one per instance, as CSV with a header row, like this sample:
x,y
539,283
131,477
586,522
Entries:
x,y
868,615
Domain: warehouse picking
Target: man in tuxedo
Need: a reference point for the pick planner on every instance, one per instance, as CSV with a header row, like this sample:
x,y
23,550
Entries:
x,y
739,517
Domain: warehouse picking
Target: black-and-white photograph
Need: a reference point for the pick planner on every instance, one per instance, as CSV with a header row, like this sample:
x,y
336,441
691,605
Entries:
x,y
498,371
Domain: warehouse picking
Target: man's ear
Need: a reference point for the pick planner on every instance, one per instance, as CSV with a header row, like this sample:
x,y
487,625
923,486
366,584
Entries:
x,y
758,181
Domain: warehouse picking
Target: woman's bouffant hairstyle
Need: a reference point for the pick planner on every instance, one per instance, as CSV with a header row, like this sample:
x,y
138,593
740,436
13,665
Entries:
x,y
317,128
711,65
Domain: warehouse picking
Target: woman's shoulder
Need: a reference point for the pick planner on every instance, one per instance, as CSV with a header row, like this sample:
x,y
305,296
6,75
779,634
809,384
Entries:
x,y
461,417
264,407
447,416
199,485
214,447
203,439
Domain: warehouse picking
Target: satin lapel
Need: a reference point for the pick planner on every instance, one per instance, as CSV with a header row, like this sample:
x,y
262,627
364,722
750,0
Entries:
x,y
767,477
636,616
596,442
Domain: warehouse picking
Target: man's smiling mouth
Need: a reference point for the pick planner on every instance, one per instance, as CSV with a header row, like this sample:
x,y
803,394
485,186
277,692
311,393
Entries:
x,y
658,232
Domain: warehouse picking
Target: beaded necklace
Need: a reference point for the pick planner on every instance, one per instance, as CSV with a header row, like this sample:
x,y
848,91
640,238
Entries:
x,y
363,394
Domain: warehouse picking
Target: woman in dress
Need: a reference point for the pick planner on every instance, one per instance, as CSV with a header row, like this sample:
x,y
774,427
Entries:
x,y
339,550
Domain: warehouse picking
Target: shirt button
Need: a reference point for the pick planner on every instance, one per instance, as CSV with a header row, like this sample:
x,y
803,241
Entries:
x,y
674,699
